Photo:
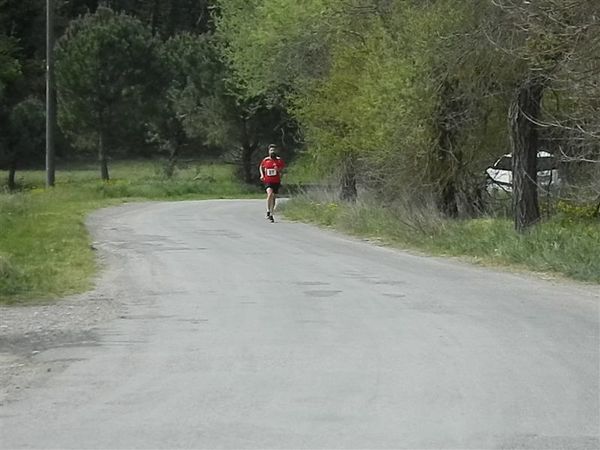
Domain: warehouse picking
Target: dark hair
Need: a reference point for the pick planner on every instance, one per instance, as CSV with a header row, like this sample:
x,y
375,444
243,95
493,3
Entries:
x,y
272,146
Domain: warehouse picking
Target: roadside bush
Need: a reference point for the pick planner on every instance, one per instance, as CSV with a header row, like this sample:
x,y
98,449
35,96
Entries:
x,y
11,277
567,244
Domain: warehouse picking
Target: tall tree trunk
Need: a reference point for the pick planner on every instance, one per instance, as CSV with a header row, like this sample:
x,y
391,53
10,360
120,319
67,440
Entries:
x,y
12,170
448,203
524,134
173,151
348,191
248,150
102,157
175,7
155,21
449,119
249,146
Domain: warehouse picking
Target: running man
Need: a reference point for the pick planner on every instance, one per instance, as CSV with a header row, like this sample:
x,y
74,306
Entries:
x,y
270,174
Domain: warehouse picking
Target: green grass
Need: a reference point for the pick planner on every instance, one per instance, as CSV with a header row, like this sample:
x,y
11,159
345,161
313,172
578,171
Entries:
x,y
562,245
145,180
44,246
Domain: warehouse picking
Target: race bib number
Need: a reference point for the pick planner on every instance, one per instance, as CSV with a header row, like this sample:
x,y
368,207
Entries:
x,y
271,172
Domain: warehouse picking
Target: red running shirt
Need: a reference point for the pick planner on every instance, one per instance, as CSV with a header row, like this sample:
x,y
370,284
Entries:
x,y
272,169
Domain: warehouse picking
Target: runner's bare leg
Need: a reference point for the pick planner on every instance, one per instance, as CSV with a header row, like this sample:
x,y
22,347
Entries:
x,y
270,200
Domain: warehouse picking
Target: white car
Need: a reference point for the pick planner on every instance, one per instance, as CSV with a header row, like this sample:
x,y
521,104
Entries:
x,y
499,175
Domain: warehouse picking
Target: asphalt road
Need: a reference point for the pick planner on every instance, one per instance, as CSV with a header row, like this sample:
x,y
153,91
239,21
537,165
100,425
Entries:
x,y
238,333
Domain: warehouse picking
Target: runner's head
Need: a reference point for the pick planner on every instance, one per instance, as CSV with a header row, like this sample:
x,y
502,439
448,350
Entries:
x,y
272,150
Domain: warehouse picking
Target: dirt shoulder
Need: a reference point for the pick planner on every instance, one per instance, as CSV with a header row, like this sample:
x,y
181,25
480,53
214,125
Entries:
x,y
27,331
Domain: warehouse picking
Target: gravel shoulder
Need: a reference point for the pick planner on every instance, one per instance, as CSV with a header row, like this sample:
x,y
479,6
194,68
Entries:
x,y
27,331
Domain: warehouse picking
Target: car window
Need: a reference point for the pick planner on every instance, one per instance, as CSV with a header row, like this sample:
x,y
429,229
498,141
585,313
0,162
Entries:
x,y
504,163
544,164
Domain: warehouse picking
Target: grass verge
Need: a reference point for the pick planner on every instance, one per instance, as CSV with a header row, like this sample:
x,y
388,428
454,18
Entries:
x,y
44,245
562,245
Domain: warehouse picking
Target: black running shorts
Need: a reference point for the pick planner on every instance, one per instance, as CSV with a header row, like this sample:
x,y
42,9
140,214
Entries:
x,y
274,186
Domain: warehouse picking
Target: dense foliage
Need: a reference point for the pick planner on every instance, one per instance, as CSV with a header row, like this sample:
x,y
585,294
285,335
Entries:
x,y
398,100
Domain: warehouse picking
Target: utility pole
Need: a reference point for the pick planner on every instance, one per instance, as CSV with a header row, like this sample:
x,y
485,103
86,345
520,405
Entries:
x,y
50,95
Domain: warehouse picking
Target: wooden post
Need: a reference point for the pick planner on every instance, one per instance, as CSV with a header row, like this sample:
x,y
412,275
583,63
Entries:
x,y
50,95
